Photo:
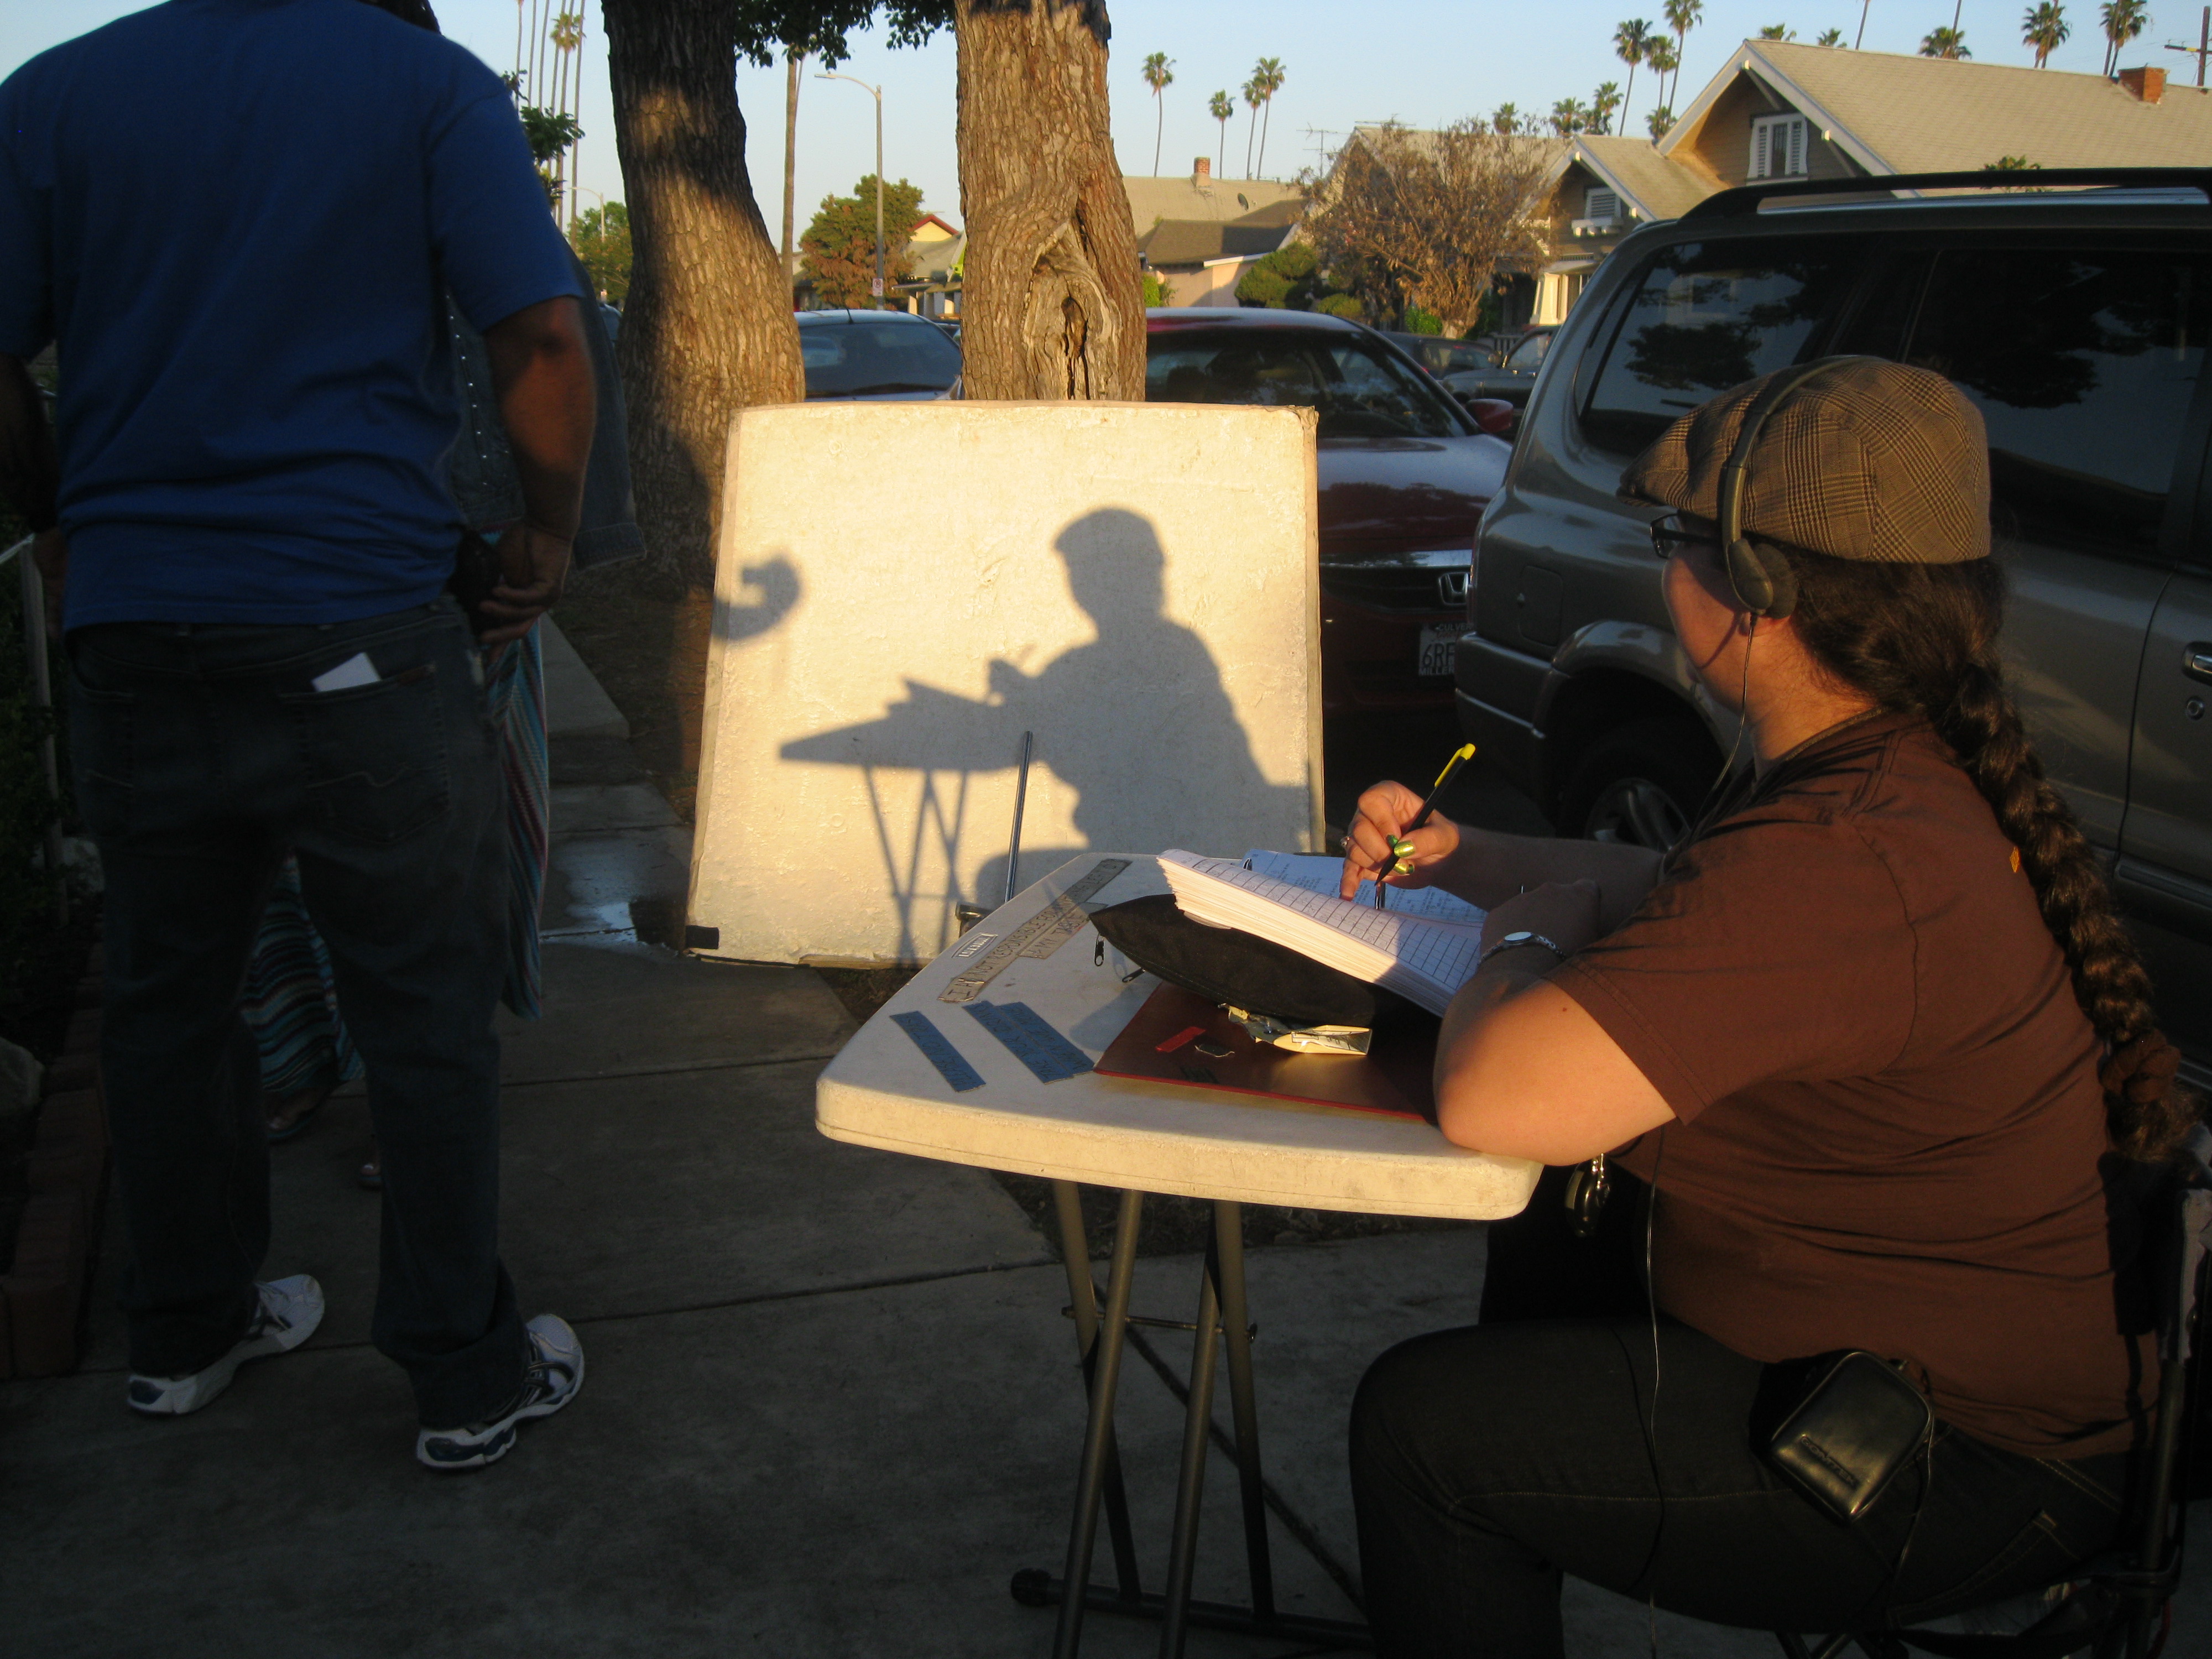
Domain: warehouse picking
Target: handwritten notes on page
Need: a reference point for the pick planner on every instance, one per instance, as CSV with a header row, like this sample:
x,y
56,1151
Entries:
x,y
1317,874
1424,961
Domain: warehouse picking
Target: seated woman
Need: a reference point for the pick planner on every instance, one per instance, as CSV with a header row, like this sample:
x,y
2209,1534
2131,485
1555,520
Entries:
x,y
1863,1039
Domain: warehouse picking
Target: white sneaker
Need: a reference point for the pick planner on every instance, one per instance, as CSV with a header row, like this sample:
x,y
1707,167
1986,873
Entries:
x,y
556,1372
290,1311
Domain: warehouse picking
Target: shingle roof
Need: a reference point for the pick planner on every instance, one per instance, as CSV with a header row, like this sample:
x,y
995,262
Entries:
x,y
1216,200
1194,242
1655,187
1929,114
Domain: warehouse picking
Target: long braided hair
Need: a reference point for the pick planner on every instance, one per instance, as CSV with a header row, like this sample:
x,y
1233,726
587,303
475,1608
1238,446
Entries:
x,y
1922,639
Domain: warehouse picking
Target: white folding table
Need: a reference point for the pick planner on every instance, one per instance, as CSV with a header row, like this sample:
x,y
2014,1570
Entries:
x,y
1037,952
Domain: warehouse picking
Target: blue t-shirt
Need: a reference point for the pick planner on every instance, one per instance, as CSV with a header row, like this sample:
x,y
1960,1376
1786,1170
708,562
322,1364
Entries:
x,y
237,219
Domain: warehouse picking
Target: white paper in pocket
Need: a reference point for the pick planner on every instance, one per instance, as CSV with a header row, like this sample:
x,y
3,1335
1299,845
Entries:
x,y
356,669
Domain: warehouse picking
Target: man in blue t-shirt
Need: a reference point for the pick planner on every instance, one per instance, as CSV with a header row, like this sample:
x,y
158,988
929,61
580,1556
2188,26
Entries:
x,y
238,221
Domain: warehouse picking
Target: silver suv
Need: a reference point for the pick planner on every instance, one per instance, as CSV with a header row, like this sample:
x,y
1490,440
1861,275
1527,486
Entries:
x,y
2076,320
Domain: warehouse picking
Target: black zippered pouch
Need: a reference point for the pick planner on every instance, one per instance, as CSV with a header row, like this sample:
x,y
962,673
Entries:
x,y
1850,1433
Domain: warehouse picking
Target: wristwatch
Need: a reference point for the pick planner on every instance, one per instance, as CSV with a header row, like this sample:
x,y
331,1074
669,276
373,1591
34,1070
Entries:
x,y
1517,939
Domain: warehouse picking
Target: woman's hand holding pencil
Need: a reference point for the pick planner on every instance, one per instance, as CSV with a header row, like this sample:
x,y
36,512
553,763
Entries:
x,y
1382,825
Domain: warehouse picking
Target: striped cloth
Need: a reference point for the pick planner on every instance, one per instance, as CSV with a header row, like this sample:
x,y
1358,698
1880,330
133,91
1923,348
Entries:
x,y
290,1002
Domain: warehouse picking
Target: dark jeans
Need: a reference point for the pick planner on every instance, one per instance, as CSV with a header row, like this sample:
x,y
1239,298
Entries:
x,y
203,755
1487,1461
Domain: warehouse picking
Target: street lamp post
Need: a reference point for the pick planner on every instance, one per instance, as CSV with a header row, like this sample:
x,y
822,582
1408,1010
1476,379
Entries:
x,y
877,93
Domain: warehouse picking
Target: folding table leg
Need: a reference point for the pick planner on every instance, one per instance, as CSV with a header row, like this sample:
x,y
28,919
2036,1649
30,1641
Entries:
x,y
1197,1426
1229,1249
1098,1434
1075,1252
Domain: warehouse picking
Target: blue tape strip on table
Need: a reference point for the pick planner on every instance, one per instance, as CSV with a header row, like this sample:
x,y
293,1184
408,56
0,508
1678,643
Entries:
x,y
938,1047
1030,1039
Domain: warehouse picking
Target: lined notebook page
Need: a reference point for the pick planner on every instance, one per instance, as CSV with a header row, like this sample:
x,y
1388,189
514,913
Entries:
x,y
1317,874
1424,961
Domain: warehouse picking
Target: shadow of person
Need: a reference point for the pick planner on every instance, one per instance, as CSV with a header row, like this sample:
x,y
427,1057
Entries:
x,y
1135,723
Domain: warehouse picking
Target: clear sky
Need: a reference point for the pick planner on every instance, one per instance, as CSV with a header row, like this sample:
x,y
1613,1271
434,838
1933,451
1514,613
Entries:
x,y
1425,62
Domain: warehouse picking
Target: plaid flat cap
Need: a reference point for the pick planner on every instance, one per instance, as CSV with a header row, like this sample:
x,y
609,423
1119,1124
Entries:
x,y
1869,459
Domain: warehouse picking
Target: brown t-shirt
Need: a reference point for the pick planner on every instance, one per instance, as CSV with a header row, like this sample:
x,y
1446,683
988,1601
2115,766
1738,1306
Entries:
x,y
1890,1122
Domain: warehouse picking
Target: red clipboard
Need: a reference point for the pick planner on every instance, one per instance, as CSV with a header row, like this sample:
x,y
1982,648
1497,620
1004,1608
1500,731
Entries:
x,y
1162,1044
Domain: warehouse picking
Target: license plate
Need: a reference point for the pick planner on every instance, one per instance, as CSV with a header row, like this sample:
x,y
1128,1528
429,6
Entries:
x,y
1438,640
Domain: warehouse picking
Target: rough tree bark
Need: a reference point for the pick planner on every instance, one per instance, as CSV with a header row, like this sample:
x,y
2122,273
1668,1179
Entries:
x,y
1053,303
708,329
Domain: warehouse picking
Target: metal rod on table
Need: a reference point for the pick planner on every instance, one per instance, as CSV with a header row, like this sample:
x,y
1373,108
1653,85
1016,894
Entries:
x,y
1098,1434
1075,1252
1021,798
1229,1248
1198,1419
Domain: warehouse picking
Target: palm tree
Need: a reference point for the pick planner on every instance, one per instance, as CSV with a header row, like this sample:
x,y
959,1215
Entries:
x,y
1630,42
1944,41
1568,118
1603,102
1664,61
1682,16
1506,120
1660,122
1253,98
1221,107
2045,27
2123,20
1863,5
1829,37
1158,78
1267,77
1778,32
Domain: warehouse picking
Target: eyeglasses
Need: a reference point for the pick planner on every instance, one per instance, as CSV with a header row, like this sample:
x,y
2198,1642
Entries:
x,y
1670,536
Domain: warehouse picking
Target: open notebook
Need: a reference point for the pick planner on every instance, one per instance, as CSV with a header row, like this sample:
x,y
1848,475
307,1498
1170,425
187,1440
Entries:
x,y
1423,959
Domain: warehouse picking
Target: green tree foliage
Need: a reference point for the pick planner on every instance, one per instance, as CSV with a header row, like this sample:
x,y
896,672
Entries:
x,y
1288,279
2123,21
1341,305
601,236
1778,32
1944,41
1159,291
1661,122
1632,43
1419,321
1160,75
1221,107
1602,105
1829,37
2045,27
2014,164
1505,120
839,246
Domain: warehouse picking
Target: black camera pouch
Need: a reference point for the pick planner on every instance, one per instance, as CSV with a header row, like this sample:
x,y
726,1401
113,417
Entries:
x,y
476,573
1238,970
1847,1436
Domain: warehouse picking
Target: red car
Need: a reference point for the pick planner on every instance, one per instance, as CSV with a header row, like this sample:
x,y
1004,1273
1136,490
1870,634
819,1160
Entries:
x,y
1405,474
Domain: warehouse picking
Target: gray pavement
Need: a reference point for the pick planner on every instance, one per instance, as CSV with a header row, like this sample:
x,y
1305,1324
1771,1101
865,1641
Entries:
x,y
831,1404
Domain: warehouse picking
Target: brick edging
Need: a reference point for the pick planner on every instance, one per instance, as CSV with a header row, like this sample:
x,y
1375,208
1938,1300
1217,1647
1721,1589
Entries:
x,y
42,1297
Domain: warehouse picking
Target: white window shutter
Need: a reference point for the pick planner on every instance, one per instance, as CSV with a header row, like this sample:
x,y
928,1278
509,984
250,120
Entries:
x,y
1757,168
1796,145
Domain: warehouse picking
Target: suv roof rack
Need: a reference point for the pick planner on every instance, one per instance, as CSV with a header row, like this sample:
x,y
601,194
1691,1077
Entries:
x,y
1745,199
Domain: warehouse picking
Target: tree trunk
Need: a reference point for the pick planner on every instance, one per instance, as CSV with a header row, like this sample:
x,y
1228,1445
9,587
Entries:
x,y
708,329
1053,304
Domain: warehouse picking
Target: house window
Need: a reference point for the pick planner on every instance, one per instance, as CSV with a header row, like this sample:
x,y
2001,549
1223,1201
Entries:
x,y
1778,146
1600,204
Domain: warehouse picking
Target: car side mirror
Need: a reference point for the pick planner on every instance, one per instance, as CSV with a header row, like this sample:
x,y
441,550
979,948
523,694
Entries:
x,y
1493,415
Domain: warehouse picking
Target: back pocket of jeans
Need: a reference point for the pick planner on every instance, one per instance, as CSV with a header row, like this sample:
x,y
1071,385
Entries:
x,y
375,755
101,732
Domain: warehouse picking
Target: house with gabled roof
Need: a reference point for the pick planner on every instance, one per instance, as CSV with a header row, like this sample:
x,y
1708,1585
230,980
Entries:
x,y
1202,234
1783,109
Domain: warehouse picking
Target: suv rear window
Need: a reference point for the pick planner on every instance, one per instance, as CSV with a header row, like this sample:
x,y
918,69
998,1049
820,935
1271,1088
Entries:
x,y
2083,363
1358,391
1705,317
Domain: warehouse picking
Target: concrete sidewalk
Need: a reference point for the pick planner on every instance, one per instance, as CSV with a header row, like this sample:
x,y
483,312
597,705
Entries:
x,y
831,1404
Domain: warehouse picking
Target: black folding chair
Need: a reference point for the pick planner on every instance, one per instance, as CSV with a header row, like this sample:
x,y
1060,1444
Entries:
x,y
2118,1605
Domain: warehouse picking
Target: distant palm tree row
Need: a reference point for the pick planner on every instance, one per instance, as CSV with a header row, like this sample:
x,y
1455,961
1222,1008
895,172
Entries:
x,y
1259,93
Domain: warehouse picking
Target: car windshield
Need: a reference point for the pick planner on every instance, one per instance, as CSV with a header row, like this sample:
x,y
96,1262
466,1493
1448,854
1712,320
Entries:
x,y
851,360
1358,391
1529,354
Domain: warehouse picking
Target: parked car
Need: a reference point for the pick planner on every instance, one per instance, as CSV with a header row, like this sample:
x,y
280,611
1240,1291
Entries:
x,y
879,356
1404,474
2075,321
1509,376
1441,356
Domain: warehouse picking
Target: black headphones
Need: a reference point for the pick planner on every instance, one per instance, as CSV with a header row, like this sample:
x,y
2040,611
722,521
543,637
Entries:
x,y
1760,575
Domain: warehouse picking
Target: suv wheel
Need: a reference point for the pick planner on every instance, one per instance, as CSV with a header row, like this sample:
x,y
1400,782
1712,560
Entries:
x,y
1641,783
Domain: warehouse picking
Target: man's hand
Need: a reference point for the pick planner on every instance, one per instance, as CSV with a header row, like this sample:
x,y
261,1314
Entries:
x,y
533,568
50,548
1384,813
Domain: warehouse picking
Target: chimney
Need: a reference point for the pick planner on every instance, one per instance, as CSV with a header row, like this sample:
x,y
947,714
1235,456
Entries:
x,y
1201,170
2147,83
